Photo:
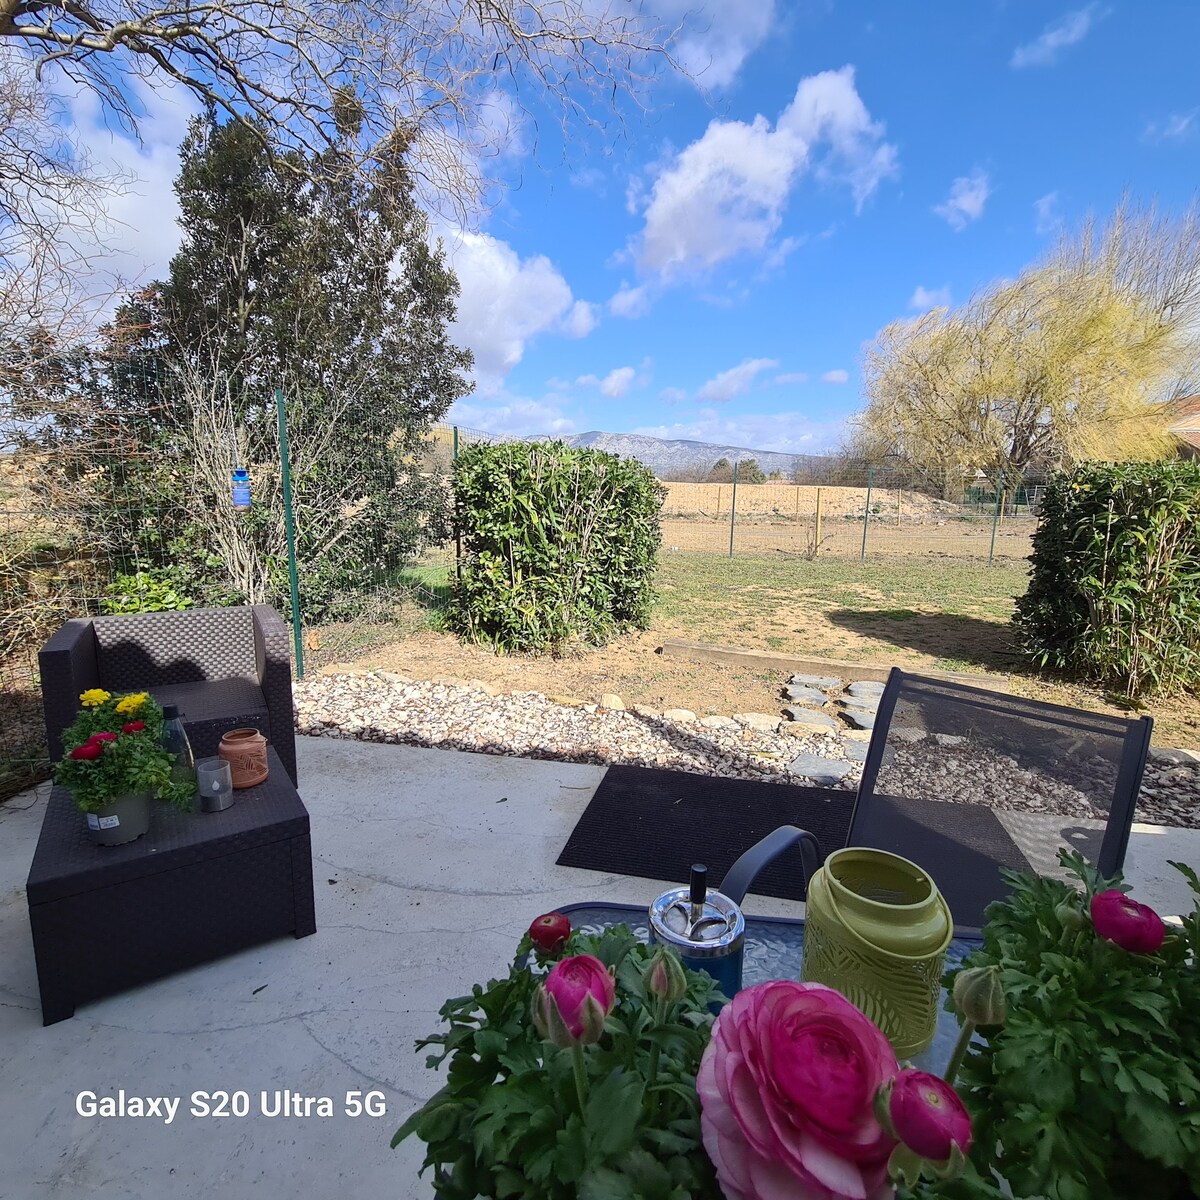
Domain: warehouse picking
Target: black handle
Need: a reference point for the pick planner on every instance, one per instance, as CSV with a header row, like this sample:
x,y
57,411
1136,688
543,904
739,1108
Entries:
x,y
698,884
742,874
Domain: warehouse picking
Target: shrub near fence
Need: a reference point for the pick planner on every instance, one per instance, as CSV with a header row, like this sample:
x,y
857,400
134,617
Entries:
x,y
1114,595
559,545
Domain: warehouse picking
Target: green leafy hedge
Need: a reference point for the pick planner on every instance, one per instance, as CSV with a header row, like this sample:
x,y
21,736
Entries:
x,y
559,545
1115,591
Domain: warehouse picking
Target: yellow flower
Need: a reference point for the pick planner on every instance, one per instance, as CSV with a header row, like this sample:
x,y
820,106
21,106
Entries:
x,y
130,704
93,697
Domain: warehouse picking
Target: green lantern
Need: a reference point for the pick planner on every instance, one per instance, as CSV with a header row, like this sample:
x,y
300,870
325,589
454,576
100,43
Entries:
x,y
877,929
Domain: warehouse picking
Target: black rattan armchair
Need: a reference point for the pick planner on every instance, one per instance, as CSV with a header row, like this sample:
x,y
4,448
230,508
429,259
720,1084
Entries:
x,y
223,667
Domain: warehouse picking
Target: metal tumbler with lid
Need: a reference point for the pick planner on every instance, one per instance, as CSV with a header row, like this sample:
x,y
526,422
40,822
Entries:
x,y
704,927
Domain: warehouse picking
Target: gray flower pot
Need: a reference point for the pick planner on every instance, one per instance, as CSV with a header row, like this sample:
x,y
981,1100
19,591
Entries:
x,y
123,820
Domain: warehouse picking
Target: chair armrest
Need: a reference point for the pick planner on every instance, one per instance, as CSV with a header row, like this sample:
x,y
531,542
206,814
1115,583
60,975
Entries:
x,y
273,659
67,663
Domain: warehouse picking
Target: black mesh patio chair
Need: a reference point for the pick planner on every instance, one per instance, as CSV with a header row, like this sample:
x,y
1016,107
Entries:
x,y
938,747
223,667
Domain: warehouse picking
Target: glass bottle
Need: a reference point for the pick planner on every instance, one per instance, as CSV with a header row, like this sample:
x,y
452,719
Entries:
x,y
175,739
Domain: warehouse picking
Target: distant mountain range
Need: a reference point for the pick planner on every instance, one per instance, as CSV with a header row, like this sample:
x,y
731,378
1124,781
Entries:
x,y
677,458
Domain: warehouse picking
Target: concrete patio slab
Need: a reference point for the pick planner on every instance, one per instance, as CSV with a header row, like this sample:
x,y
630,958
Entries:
x,y
428,866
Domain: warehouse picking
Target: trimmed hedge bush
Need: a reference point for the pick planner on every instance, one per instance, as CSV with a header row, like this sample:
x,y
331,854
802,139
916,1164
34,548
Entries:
x,y
1114,596
559,545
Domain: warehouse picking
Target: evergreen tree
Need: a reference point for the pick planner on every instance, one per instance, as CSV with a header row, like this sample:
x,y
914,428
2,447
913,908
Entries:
x,y
317,282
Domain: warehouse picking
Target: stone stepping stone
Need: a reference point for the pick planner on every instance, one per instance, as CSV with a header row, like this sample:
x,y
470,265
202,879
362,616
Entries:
x,y
804,694
865,689
853,704
816,681
809,719
856,751
860,718
820,770
765,722
715,722
679,714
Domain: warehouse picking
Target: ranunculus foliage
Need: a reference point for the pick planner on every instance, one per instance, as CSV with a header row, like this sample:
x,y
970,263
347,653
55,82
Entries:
x,y
787,1086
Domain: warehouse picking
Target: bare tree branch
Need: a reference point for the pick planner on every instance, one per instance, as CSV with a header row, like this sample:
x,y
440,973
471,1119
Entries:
x,y
307,70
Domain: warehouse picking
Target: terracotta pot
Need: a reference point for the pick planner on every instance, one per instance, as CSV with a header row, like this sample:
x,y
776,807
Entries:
x,y
245,750
123,819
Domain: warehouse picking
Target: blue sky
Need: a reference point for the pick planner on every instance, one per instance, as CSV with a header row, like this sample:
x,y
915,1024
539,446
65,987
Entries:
x,y
715,272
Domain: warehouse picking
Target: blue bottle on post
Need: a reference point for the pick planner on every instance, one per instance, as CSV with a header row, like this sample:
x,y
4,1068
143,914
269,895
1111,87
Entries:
x,y
240,483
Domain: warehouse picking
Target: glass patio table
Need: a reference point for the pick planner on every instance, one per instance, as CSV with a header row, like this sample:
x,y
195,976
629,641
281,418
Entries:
x,y
772,950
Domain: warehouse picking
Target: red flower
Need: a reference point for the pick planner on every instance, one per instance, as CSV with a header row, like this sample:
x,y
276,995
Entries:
x,y
1126,923
549,931
88,750
103,737
133,727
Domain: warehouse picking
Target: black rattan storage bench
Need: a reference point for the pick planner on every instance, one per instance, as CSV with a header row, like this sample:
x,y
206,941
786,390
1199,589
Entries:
x,y
195,887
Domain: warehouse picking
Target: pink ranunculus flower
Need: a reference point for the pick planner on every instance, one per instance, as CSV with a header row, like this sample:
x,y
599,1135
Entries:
x,y
787,1087
571,1005
927,1115
1132,926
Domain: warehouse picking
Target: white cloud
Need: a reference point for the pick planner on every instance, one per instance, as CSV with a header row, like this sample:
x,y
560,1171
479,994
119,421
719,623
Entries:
x,y
717,36
786,433
791,377
734,382
725,194
672,395
616,383
1043,51
1046,215
137,234
968,195
629,302
501,128
505,301
581,320
924,298
1177,127
838,376
506,415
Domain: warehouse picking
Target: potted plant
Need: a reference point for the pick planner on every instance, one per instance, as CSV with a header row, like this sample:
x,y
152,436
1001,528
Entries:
x,y
114,763
596,1071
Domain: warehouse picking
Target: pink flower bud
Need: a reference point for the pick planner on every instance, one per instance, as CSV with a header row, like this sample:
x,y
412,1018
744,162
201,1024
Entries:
x,y
1126,923
926,1114
664,976
572,1004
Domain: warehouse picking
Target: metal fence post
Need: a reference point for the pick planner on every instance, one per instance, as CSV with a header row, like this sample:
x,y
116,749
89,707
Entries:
x,y
733,509
457,530
995,522
817,531
867,513
290,528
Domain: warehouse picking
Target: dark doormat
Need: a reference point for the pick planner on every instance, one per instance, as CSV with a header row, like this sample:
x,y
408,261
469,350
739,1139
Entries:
x,y
654,824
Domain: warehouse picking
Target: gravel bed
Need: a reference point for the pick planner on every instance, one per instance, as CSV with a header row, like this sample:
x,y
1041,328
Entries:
x,y
386,707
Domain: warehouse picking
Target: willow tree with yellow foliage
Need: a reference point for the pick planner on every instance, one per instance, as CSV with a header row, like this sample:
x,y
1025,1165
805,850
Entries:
x,y
1074,360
